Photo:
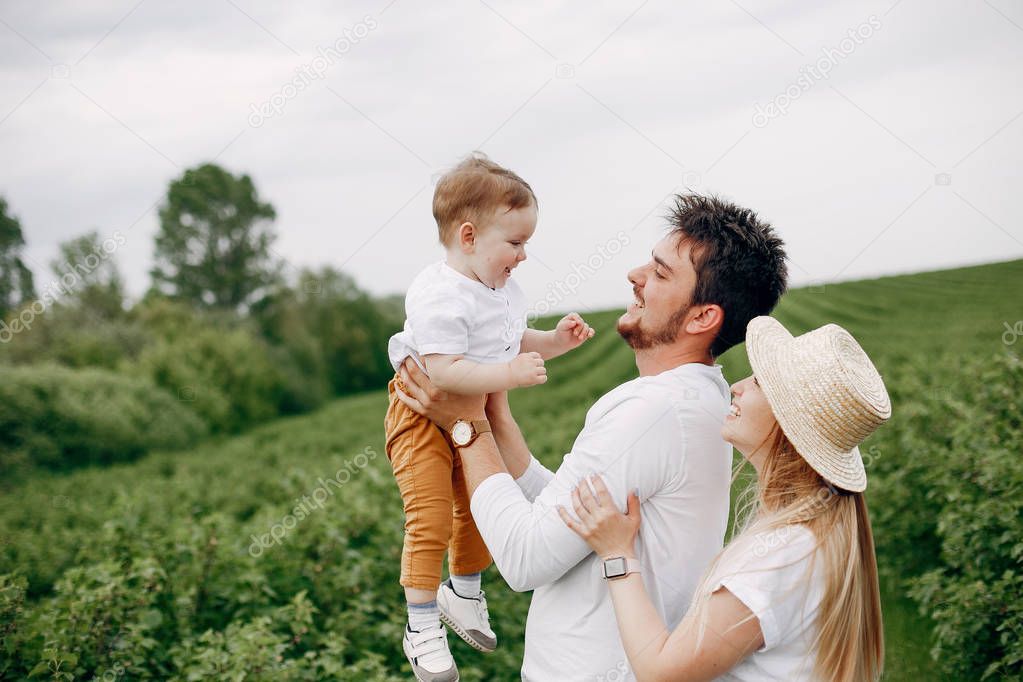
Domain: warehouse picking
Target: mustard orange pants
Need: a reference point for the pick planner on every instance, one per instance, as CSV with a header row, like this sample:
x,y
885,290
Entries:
x,y
436,500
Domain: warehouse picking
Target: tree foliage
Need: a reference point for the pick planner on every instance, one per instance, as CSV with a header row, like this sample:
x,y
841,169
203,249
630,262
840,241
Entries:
x,y
213,247
93,280
349,327
16,283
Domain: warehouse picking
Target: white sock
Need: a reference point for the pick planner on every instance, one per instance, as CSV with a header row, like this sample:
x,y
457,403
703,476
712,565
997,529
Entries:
x,y
423,616
466,586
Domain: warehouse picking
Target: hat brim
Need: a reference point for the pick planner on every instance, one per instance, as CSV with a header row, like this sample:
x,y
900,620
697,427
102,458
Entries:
x,y
767,346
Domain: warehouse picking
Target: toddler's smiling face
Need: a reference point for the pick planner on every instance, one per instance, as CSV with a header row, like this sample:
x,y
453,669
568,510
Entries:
x,y
500,246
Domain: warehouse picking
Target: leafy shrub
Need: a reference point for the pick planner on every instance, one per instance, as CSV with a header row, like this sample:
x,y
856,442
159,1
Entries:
x,y
347,327
975,495
297,353
227,376
226,614
75,338
900,460
12,600
108,618
58,417
303,376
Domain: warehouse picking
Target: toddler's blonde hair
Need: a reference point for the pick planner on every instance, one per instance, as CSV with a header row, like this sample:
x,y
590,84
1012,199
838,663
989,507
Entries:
x,y
472,191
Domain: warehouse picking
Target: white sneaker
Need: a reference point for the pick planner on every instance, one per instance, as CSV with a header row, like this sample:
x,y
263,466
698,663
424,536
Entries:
x,y
467,616
428,654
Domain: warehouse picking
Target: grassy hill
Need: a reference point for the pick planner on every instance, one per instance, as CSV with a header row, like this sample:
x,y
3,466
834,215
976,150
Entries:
x,y
155,569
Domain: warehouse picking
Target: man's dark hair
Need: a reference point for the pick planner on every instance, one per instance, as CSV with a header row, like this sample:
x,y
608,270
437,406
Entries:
x,y
738,258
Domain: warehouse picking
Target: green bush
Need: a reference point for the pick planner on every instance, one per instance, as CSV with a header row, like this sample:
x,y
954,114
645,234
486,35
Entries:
x,y
974,495
75,338
149,570
172,534
901,457
12,601
60,418
297,353
291,352
327,314
227,376
945,498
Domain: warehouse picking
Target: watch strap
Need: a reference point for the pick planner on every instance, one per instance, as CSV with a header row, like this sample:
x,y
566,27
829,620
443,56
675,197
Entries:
x,y
478,426
631,566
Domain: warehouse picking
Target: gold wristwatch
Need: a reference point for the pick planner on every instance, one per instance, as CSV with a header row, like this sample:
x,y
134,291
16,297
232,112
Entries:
x,y
464,433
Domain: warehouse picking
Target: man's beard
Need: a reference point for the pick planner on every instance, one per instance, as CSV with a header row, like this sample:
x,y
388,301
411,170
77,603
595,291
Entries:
x,y
641,339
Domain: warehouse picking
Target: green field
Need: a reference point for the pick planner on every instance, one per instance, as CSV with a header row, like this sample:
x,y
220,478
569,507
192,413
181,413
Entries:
x,y
148,570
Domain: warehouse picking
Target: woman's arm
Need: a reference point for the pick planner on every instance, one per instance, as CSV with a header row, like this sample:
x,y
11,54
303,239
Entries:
x,y
731,631
731,634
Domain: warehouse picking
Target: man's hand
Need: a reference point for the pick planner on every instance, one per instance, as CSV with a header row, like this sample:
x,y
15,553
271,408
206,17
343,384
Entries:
x,y
442,408
528,369
572,331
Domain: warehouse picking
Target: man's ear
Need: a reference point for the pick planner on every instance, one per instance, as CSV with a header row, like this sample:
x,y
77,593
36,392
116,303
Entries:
x,y
467,237
709,320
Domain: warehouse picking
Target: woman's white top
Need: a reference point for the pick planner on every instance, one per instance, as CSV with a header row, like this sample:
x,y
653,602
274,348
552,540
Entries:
x,y
774,575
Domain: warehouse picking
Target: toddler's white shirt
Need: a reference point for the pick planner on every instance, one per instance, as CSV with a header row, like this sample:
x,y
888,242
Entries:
x,y
448,313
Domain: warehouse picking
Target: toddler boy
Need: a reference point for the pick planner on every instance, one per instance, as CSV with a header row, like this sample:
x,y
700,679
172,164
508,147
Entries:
x,y
466,327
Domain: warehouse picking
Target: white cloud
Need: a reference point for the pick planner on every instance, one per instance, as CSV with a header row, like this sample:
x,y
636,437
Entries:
x,y
650,104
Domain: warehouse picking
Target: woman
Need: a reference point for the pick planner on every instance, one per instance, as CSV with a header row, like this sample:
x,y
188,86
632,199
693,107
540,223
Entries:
x,y
794,596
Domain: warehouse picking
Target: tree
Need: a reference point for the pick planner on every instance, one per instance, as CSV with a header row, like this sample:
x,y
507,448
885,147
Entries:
x,y
213,246
89,274
332,328
16,284
350,327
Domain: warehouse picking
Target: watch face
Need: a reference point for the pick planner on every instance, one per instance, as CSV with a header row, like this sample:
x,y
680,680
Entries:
x,y
614,568
461,433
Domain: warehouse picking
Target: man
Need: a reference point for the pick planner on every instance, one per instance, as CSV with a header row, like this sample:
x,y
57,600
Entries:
x,y
719,267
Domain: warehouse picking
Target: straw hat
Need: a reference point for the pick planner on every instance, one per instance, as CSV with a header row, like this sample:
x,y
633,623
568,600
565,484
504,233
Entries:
x,y
825,392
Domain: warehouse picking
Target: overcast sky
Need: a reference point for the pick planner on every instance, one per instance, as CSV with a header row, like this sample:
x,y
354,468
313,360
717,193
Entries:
x,y
904,156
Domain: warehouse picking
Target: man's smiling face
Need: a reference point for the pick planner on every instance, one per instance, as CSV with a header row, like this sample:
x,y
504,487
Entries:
x,y
663,288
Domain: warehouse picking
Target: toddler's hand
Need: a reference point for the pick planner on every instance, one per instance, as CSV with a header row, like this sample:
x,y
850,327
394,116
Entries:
x,y
572,331
528,370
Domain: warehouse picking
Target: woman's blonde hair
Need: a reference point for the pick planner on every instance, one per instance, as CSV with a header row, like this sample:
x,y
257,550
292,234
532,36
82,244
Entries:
x,y
849,642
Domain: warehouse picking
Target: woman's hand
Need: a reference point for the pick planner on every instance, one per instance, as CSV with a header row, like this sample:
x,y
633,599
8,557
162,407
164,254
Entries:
x,y
606,530
440,407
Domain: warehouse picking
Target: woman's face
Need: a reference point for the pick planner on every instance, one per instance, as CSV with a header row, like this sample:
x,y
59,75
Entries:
x,y
751,422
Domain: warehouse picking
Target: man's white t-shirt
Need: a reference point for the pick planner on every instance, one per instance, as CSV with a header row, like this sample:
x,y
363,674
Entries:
x,y
774,574
660,435
450,314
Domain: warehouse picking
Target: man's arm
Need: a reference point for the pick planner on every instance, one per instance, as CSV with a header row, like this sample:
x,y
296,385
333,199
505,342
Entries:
x,y
634,446
530,475
487,461
510,441
629,446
